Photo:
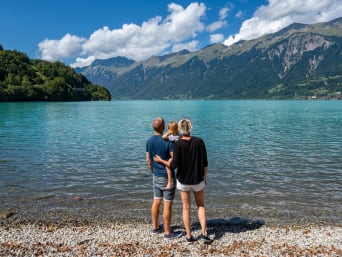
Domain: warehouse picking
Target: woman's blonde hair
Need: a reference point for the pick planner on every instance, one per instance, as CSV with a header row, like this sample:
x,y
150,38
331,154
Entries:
x,y
173,127
185,126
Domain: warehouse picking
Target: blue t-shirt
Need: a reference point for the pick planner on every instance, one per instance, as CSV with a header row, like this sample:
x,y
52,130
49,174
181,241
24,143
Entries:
x,y
157,145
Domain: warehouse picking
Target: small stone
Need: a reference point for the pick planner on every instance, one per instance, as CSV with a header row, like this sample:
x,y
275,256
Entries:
x,y
6,215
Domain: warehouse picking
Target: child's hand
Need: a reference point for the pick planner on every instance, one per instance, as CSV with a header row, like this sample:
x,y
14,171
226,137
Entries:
x,y
169,132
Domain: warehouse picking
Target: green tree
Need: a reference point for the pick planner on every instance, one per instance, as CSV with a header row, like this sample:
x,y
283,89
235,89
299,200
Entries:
x,y
23,79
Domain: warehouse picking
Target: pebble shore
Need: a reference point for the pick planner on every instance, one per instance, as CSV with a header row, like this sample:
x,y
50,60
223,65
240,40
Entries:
x,y
135,239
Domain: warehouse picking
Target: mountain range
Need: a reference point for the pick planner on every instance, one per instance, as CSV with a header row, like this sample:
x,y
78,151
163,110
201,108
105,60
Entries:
x,y
298,62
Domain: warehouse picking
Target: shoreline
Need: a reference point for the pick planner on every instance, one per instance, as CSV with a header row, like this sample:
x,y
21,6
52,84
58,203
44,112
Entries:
x,y
133,238
52,230
101,214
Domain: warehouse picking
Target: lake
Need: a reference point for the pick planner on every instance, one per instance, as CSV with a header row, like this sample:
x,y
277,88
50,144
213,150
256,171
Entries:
x,y
280,161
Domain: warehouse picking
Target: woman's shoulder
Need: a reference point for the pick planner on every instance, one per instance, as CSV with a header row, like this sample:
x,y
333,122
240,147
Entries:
x,y
197,139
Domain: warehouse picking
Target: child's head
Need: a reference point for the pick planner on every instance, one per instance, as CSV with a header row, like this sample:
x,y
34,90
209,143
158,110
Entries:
x,y
173,127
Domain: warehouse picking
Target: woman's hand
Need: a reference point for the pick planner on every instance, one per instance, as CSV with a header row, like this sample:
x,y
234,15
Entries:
x,y
157,158
166,163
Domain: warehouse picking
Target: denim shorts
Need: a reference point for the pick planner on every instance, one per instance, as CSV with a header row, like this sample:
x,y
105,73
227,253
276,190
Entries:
x,y
159,184
200,186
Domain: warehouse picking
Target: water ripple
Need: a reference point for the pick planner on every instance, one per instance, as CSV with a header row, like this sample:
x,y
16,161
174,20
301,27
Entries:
x,y
263,155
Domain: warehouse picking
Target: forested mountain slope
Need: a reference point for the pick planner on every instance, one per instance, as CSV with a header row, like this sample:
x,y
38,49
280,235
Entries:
x,y
24,79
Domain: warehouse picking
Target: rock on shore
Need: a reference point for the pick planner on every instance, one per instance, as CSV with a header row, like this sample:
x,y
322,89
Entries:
x,y
135,239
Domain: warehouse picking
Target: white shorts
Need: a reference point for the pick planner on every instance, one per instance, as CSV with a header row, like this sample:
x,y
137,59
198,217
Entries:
x,y
195,188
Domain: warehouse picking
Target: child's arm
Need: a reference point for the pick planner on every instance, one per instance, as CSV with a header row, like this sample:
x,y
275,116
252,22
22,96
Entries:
x,y
166,135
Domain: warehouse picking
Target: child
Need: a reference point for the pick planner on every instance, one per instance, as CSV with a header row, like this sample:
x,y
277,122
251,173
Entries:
x,y
172,136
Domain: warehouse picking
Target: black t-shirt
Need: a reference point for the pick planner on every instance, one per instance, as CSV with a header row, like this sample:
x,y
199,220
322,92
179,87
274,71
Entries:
x,y
190,158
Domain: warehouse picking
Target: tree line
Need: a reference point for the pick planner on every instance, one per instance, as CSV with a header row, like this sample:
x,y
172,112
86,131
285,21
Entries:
x,y
25,79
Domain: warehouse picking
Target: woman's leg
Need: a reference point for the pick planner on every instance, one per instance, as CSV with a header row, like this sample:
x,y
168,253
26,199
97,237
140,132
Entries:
x,y
186,201
199,196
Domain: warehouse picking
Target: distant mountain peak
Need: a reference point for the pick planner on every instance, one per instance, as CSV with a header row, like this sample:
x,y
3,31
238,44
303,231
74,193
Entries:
x,y
118,61
292,27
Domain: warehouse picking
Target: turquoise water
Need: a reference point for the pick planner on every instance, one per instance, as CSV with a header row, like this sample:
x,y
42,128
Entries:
x,y
278,160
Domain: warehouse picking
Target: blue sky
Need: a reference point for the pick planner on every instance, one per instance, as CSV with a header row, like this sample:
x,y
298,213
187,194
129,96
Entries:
x,y
77,32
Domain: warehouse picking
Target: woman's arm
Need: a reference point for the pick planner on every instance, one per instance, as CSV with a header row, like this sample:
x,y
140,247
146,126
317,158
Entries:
x,y
157,158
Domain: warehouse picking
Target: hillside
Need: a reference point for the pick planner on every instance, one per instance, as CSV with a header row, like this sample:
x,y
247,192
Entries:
x,y
298,62
23,79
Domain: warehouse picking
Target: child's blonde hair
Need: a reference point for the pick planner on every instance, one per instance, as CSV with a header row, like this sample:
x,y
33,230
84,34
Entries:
x,y
173,127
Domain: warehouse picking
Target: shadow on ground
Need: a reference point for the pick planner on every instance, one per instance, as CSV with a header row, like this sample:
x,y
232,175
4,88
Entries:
x,y
233,225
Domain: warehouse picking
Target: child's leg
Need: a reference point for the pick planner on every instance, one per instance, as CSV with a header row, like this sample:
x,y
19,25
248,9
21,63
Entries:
x,y
169,178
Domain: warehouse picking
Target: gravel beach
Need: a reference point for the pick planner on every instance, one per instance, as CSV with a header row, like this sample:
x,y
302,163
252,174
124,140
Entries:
x,y
234,237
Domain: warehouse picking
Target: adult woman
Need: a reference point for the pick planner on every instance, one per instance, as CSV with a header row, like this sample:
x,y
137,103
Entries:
x,y
190,159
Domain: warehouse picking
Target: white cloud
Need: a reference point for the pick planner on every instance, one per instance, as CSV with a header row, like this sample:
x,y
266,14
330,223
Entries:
x,y
216,38
191,46
216,26
281,13
69,45
223,13
131,40
239,14
184,23
81,62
